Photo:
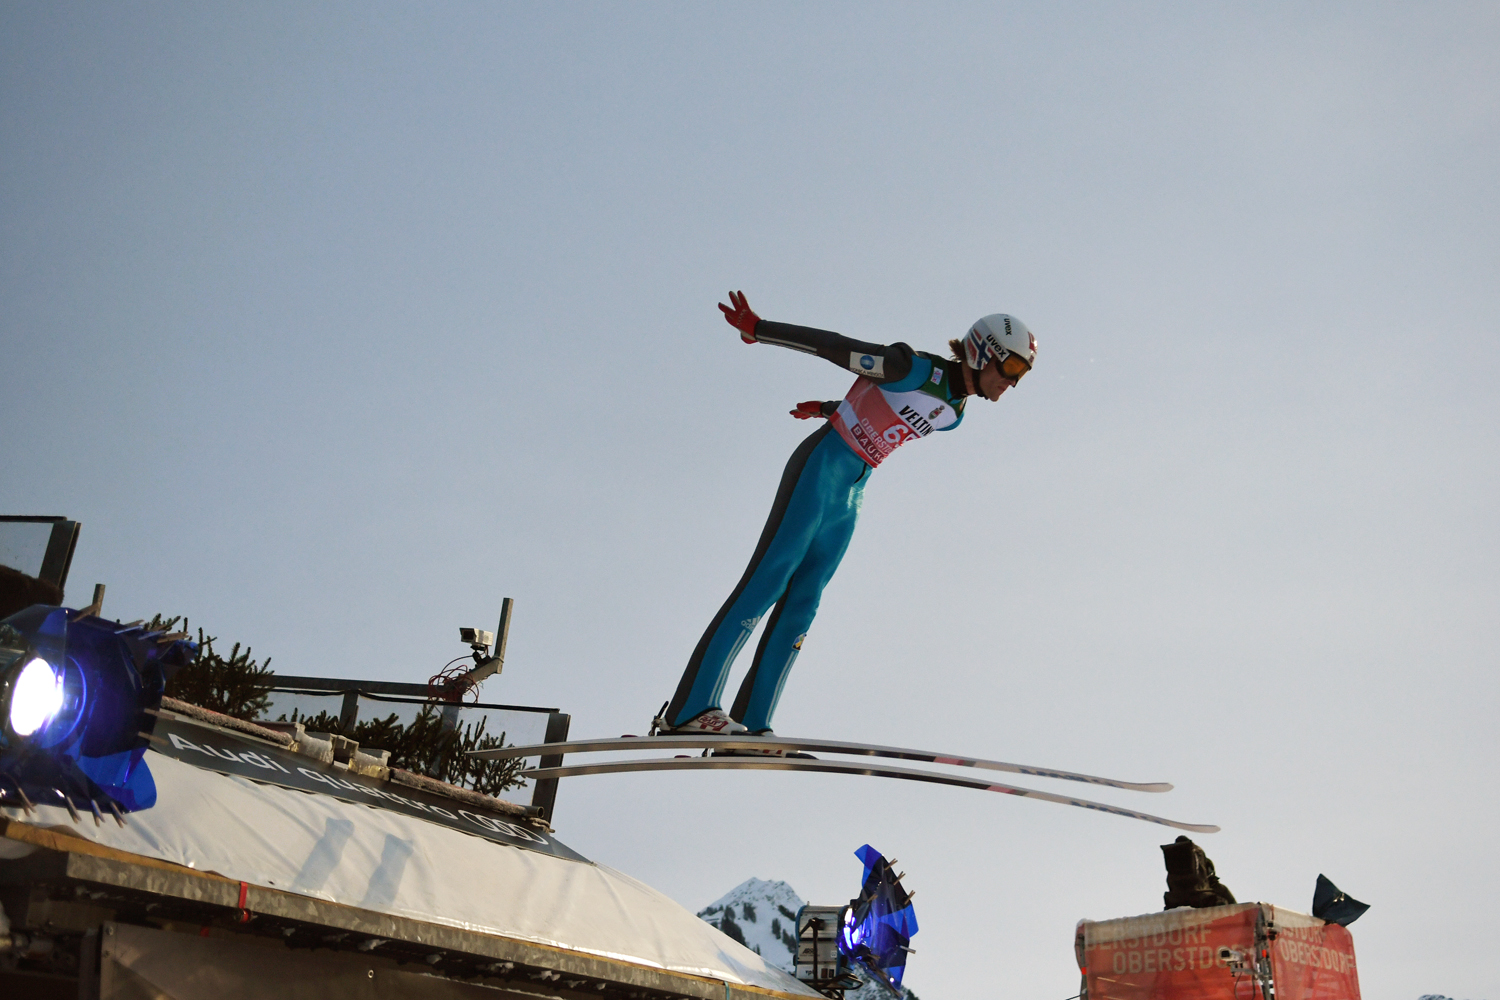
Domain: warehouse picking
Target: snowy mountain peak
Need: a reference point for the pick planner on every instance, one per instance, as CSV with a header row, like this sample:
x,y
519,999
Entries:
x,y
754,891
760,915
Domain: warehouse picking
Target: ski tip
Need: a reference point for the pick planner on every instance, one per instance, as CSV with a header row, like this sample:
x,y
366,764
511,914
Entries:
x,y
1155,786
1199,827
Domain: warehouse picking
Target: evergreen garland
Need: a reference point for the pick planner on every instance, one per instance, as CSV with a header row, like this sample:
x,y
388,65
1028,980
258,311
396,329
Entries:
x,y
235,685
426,746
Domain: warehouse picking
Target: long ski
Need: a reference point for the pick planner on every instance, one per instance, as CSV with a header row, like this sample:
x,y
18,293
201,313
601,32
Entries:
x,y
840,767
798,745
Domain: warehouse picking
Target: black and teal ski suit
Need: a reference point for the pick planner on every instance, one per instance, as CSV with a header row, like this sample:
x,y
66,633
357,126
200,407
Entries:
x,y
813,516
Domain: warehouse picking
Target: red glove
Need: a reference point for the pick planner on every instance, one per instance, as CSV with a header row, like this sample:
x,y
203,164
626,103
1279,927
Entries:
x,y
740,317
808,410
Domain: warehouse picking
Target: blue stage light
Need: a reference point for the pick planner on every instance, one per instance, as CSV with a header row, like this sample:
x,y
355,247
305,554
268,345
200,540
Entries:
x,y
878,926
35,696
79,695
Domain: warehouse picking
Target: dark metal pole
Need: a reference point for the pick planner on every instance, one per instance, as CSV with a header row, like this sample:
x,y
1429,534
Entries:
x,y
544,792
349,713
502,632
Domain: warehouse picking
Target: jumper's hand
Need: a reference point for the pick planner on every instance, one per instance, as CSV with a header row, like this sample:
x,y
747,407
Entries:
x,y
808,410
741,317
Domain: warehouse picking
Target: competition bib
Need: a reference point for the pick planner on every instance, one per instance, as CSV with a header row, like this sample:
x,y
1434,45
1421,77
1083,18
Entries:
x,y
875,421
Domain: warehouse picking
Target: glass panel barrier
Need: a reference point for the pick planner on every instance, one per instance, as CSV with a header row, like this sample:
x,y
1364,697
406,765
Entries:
x,y
23,545
305,704
515,725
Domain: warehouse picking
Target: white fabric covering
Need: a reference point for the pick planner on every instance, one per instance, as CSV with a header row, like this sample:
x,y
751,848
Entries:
x,y
381,860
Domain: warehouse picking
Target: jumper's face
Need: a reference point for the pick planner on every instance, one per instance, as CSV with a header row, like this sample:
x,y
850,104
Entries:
x,y
993,379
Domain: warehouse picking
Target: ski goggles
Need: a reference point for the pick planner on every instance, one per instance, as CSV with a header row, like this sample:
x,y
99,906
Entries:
x,y
1013,366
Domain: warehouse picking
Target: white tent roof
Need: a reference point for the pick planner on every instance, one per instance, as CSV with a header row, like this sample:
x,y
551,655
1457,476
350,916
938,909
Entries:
x,y
381,860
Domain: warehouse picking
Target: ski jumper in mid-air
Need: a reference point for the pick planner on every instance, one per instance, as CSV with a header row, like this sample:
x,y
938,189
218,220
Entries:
x,y
899,394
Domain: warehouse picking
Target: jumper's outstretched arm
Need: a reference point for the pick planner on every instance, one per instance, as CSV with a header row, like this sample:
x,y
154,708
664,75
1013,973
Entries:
x,y
877,362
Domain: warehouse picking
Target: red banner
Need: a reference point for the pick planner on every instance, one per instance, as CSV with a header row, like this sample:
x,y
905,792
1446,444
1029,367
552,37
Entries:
x,y
1175,955
1313,962
1213,954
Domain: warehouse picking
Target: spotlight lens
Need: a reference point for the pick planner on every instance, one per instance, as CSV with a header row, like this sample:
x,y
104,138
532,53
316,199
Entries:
x,y
36,697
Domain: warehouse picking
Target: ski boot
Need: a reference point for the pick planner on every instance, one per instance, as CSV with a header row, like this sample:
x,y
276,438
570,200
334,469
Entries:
x,y
714,721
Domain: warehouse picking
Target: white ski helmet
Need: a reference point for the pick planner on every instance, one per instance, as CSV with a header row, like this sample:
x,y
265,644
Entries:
x,y
998,336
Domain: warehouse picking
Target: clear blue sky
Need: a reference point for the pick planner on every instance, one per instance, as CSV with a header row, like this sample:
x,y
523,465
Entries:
x,y
334,324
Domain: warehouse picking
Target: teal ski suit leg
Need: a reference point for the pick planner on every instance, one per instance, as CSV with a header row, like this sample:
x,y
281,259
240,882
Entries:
x,y
805,537
787,628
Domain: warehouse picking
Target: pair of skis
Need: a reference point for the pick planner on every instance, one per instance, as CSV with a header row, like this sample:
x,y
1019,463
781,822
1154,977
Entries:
x,y
750,753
